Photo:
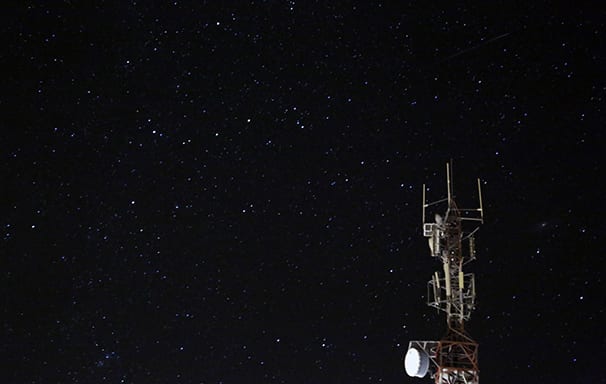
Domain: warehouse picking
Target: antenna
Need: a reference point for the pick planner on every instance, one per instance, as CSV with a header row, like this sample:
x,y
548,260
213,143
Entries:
x,y
454,358
424,206
481,209
448,182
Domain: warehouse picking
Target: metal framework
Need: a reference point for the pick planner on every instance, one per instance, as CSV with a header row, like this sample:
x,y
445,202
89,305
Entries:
x,y
454,358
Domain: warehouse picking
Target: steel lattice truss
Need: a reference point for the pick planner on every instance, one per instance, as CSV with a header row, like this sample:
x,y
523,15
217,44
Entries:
x,y
454,358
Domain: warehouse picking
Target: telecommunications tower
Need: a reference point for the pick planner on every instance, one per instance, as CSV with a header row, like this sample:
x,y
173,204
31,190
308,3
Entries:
x,y
454,358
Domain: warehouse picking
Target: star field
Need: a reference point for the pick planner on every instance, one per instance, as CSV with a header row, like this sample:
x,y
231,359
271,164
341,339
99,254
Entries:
x,y
231,192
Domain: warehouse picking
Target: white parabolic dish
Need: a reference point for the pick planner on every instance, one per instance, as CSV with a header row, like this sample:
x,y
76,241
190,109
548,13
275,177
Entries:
x,y
416,363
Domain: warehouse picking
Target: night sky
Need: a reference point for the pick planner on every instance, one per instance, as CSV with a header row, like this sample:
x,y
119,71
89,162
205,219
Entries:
x,y
223,192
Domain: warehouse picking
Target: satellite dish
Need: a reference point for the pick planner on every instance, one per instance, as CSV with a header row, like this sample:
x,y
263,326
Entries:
x,y
416,363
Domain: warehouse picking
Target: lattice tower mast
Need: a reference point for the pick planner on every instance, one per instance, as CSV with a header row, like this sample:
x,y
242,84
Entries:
x,y
454,358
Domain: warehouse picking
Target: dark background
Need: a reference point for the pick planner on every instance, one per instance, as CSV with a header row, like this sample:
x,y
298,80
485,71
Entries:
x,y
221,192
